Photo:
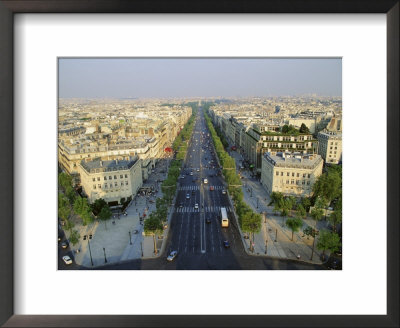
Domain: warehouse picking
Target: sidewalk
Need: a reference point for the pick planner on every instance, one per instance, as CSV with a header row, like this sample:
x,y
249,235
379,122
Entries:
x,y
271,229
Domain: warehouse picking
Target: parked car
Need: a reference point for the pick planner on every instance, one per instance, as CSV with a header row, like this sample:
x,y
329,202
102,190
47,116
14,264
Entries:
x,y
172,256
223,191
187,196
67,260
211,188
226,244
196,206
65,244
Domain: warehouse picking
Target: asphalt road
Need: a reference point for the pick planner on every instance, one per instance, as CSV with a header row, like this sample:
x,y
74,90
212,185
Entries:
x,y
200,244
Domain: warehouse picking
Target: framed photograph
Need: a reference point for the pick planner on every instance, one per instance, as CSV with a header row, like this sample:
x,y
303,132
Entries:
x,y
189,153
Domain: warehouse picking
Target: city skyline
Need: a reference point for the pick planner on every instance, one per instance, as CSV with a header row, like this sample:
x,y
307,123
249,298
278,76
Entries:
x,y
198,77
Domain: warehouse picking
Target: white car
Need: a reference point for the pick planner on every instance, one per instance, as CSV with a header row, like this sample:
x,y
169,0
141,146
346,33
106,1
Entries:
x,y
196,206
187,196
223,191
172,256
205,181
67,260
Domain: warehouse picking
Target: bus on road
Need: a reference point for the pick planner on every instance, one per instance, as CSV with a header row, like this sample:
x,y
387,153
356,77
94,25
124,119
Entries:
x,y
224,218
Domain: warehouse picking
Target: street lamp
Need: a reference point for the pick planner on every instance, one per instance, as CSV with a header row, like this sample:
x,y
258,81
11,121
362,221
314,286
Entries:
x,y
88,237
130,238
105,258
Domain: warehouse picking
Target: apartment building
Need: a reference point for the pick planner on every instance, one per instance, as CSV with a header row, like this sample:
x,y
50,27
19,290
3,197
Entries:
x,y
257,143
114,181
330,146
292,174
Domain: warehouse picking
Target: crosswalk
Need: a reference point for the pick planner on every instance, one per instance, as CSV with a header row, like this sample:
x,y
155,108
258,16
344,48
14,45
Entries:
x,y
207,209
206,187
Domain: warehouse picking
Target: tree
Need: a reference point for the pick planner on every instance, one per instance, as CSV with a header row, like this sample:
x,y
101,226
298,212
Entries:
x,y
153,226
275,197
98,205
328,241
74,237
81,207
301,211
294,224
335,218
304,129
64,180
306,202
291,202
251,222
284,205
105,214
316,214
310,231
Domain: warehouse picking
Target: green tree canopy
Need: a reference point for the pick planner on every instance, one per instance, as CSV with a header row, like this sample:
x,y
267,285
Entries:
x,y
328,241
294,224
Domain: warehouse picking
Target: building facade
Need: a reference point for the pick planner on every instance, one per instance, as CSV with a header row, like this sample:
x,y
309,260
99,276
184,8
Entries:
x,y
292,174
330,146
114,181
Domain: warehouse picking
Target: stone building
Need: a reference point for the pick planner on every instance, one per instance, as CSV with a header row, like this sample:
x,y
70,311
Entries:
x,y
290,173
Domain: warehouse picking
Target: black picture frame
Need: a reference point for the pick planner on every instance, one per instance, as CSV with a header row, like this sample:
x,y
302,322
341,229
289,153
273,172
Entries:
x,y
7,10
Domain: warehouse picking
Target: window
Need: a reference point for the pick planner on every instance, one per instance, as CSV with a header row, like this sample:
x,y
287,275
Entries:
x,y
105,186
292,174
309,176
94,179
304,175
105,178
303,182
292,181
126,183
99,185
122,183
281,174
297,182
298,174
121,176
277,173
308,183
287,181
98,178
94,186
115,176
110,177
126,176
116,184
288,174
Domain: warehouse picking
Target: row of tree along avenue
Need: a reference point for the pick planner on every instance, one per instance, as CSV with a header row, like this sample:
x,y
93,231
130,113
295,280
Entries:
x,y
155,222
249,221
327,196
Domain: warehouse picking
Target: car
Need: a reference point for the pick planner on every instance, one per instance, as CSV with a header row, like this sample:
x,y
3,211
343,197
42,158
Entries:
x,y
180,205
211,188
196,206
65,244
172,256
205,181
198,170
187,196
208,220
67,260
191,173
223,191
226,244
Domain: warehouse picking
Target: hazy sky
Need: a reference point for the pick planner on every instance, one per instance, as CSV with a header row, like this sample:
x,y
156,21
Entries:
x,y
164,78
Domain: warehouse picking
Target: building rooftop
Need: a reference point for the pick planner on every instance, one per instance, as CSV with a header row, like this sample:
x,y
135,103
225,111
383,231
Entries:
x,y
98,165
295,160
